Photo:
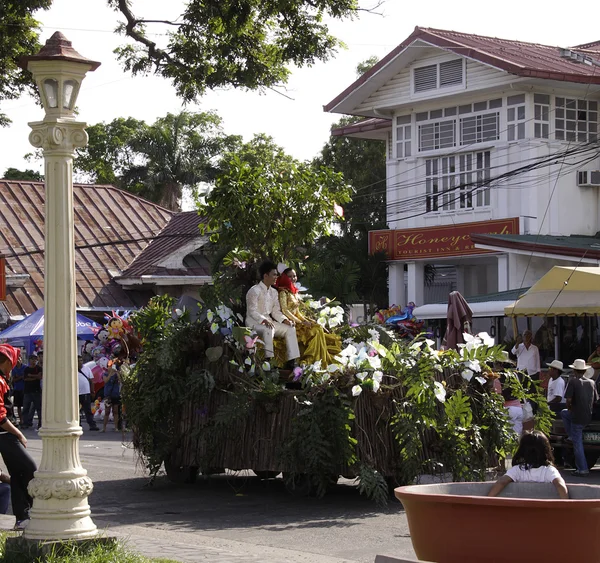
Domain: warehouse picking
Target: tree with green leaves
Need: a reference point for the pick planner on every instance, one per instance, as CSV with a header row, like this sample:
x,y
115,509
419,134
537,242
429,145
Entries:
x,y
19,33
23,175
241,43
269,204
159,161
340,265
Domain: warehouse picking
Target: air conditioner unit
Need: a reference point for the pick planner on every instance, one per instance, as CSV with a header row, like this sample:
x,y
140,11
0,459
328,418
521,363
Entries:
x,y
588,178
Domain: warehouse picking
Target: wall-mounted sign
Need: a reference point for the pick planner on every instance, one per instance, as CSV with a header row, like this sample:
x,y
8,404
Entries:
x,y
436,242
2,279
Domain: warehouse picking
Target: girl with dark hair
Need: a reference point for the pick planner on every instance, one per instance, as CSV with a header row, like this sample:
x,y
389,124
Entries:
x,y
19,463
315,342
533,462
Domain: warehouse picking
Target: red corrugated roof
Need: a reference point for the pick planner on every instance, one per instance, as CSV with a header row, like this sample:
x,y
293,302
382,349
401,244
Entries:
x,y
112,227
182,229
516,57
363,126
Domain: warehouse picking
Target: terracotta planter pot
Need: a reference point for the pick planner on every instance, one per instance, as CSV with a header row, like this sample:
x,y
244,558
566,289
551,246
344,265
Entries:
x,y
457,523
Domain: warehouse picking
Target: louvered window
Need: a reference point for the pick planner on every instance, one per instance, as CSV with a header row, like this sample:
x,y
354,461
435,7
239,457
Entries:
x,y
431,77
426,78
451,72
390,145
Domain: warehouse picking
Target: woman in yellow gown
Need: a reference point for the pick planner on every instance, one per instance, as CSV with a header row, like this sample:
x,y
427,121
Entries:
x,y
315,343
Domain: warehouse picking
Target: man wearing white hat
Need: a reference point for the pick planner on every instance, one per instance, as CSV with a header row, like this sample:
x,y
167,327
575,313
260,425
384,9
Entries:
x,y
556,386
580,395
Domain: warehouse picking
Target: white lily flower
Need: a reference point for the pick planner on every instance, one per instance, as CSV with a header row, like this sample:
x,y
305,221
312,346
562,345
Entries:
x,y
471,341
374,361
439,391
322,321
214,328
356,390
248,361
481,380
467,374
429,343
473,365
317,365
266,366
210,316
326,311
362,375
252,369
349,350
332,368
376,385
377,376
486,339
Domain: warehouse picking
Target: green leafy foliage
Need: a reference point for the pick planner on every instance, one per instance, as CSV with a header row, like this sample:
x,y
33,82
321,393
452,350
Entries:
x,y
373,485
269,204
321,439
177,152
168,370
26,175
19,34
241,43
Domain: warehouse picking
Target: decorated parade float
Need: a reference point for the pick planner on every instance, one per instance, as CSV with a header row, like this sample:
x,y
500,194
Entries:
x,y
388,409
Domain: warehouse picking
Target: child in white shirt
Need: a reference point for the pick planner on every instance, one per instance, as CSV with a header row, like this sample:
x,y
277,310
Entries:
x,y
533,462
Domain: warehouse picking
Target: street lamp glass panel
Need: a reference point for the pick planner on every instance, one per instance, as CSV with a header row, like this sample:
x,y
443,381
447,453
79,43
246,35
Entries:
x,y
69,91
51,91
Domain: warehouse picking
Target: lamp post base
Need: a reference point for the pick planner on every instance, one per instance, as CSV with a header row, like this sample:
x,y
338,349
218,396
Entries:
x,y
60,490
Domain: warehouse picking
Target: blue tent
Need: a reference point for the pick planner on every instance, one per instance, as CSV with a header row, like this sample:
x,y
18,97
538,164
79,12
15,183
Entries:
x,y
24,333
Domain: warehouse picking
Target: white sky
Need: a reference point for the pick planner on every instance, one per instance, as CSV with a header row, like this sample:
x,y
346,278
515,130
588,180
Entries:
x,y
299,125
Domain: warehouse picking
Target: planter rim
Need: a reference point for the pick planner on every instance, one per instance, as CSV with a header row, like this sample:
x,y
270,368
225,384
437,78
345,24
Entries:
x,y
419,492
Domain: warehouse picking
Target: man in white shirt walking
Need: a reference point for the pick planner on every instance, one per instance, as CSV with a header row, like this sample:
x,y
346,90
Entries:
x,y
264,316
528,355
556,387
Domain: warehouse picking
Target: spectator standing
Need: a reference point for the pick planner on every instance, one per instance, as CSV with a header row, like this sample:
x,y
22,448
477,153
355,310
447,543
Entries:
x,y
19,463
528,355
32,397
112,397
556,387
85,379
580,396
18,385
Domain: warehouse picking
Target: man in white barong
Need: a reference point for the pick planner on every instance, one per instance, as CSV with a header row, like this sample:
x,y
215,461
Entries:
x,y
264,316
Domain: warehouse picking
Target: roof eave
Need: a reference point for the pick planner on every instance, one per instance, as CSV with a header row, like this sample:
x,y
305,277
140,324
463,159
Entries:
x,y
489,241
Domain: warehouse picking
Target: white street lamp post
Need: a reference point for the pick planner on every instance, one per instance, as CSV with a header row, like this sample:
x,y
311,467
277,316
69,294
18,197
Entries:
x,y
61,486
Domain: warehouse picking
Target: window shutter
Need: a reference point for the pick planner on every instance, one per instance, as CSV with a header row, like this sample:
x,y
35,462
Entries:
x,y
451,72
425,78
389,145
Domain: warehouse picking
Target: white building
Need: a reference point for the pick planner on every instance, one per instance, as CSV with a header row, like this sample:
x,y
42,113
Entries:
x,y
485,138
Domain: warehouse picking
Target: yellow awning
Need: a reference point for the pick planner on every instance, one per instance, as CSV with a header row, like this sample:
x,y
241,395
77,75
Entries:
x,y
562,291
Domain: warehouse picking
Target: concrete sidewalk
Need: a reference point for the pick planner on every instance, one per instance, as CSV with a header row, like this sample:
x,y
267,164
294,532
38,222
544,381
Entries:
x,y
188,547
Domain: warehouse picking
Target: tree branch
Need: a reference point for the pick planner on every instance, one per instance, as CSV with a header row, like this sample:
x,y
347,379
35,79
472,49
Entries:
x,y
154,53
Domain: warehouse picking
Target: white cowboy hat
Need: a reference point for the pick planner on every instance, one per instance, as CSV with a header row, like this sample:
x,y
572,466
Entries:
x,y
557,364
579,365
589,374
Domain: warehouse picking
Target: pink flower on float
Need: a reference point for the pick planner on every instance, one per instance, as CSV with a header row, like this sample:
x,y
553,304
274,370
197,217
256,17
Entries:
x,y
297,373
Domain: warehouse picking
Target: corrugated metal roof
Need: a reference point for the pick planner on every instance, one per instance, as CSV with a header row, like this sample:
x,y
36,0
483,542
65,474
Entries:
x,y
112,227
573,245
182,230
516,57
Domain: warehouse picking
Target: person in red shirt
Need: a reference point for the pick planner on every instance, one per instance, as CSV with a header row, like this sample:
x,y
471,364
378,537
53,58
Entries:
x,y
19,463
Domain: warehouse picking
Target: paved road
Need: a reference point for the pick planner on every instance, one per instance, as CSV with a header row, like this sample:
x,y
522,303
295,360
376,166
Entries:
x,y
236,518
233,518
